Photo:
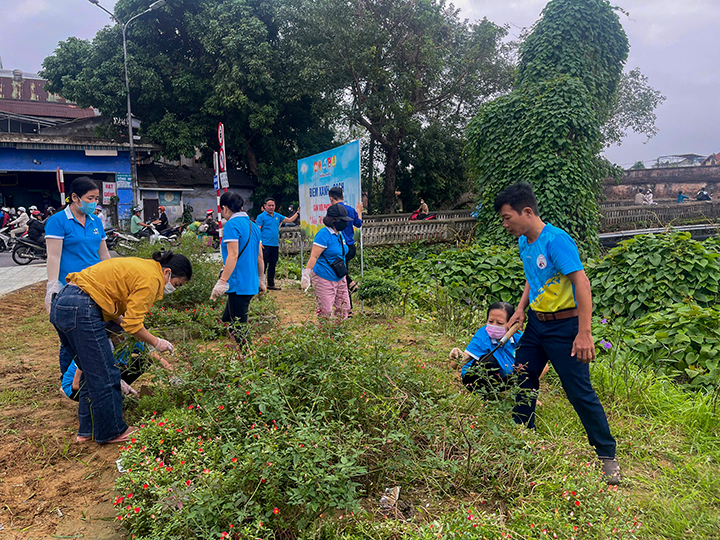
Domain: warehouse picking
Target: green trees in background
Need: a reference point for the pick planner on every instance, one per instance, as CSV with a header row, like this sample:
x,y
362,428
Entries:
x,y
195,63
547,131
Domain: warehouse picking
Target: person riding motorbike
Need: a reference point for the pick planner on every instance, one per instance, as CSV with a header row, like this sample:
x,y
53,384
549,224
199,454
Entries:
x,y
20,223
163,224
36,228
137,227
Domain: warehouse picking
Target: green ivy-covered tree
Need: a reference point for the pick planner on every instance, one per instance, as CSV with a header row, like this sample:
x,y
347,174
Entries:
x,y
547,131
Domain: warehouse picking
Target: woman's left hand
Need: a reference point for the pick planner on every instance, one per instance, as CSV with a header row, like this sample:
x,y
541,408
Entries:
x,y
261,285
220,288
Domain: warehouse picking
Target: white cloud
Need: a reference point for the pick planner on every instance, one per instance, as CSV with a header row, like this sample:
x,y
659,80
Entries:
x,y
26,9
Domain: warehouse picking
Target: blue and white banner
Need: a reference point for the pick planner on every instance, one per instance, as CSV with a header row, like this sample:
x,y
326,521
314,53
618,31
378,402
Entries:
x,y
317,174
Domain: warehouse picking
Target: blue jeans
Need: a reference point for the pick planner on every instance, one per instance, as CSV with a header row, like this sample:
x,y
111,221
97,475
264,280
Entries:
x,y
552,340
79,323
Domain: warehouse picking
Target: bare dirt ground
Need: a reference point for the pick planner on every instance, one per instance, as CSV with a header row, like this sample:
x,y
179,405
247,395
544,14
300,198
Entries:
x,y
51,486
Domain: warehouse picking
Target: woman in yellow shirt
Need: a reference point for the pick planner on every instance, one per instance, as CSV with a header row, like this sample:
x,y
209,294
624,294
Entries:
x,y
121,289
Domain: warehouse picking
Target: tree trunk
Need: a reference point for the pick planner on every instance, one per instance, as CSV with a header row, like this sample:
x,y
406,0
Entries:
x,y
251,160
371,170
391,164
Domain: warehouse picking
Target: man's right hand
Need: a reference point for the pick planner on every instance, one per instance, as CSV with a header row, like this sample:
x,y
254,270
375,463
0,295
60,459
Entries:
x,y
518,317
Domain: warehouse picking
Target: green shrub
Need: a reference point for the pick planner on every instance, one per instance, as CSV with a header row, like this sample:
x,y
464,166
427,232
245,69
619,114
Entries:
x,y
376,289
646,273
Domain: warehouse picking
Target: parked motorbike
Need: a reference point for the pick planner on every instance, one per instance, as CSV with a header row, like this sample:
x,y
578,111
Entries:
x,y
126,243
27,251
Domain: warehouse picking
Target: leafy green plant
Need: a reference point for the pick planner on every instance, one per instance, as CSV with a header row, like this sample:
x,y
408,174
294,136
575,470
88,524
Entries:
x,y
648,272
378,290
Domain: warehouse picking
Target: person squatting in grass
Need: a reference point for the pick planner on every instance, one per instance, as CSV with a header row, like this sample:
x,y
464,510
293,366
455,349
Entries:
x,y
269,223
121,289
132,359
326,268
242,275
337,197
558,293
75,240
492,372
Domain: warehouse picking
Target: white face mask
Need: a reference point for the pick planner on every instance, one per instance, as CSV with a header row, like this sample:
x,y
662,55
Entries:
x,y
169,287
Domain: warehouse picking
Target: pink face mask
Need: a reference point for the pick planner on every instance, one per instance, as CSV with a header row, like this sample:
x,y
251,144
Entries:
x,y
495,332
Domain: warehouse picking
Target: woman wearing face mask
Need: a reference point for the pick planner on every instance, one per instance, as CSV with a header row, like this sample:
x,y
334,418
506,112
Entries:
x,y
243,275
492,371
120,289
326,267
75,240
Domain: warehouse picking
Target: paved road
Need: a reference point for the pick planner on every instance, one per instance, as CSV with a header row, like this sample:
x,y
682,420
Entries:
x,y
6,261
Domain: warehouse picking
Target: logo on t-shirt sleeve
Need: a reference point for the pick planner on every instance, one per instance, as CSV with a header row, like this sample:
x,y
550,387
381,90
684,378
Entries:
x,y
541,262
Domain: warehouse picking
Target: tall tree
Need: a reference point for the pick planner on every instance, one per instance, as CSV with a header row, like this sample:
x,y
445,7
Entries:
x,y
194,63
396,66
547,131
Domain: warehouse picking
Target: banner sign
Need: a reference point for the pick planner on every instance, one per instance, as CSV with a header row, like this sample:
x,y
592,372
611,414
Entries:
x,y
108,192
339,167
124,181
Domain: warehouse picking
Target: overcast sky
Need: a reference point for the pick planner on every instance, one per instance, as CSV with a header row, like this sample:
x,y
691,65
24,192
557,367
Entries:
x,y
671,41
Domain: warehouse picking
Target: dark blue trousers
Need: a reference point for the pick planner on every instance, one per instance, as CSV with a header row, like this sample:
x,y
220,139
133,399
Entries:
x,y
552,340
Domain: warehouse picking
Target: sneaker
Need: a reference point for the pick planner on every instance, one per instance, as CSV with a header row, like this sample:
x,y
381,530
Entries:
x,y
611,469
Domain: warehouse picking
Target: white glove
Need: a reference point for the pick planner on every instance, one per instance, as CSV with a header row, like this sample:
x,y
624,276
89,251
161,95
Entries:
x,y
261,284
53,287
164,345
220,288
305,280
126,389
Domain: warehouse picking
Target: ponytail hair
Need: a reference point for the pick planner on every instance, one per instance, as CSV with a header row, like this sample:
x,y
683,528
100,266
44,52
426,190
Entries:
x,y
232,200
178,264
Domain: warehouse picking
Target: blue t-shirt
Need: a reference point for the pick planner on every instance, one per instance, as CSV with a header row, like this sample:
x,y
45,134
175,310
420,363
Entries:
x,y
239,229
122,357
547,262
80,244
481,344
334,248
349,232
270,228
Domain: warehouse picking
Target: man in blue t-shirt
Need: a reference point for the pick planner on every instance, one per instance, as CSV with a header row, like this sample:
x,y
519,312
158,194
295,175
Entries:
x,y
337,197
558,328
269,223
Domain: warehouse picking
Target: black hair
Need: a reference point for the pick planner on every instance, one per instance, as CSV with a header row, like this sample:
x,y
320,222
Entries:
x,y
509,309
336,193
233,201
178,264
329,221
268,199
81,185
519,196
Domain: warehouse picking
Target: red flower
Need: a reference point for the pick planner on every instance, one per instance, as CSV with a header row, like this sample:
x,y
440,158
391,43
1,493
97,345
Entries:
x,y
145,486
188,482
276,511
577,503
137,509
221,407
234,459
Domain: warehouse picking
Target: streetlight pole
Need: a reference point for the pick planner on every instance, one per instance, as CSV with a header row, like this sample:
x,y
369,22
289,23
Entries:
x,y
133,159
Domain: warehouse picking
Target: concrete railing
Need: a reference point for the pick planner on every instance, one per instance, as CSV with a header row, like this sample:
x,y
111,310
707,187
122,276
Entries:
x,y
621,216
389,233
391,218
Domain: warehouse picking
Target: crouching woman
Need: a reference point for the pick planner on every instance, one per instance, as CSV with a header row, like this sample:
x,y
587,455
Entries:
x,y
121,289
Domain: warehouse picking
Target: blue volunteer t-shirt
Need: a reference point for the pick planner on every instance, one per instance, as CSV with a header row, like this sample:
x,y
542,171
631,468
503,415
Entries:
x,y
122,358
481,344
239,229
349,231
335,248
80,244
547,262
270,228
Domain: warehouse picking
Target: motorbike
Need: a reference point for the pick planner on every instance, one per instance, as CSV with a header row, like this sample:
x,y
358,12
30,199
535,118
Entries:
x,y
6,241
126,243
173,234
416,216
26,251
111,238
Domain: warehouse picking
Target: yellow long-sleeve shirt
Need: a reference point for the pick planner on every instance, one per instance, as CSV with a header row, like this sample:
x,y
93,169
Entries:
x,y
126,286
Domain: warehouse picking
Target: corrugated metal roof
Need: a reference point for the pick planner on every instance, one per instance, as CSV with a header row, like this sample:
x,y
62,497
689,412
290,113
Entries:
x,y
159,175
38,108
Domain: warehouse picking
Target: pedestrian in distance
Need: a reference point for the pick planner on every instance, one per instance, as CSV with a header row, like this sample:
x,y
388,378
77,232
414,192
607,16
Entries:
x,y
337,197
75,240
242,276
122,289
326,269
681,197
269,223
558,295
